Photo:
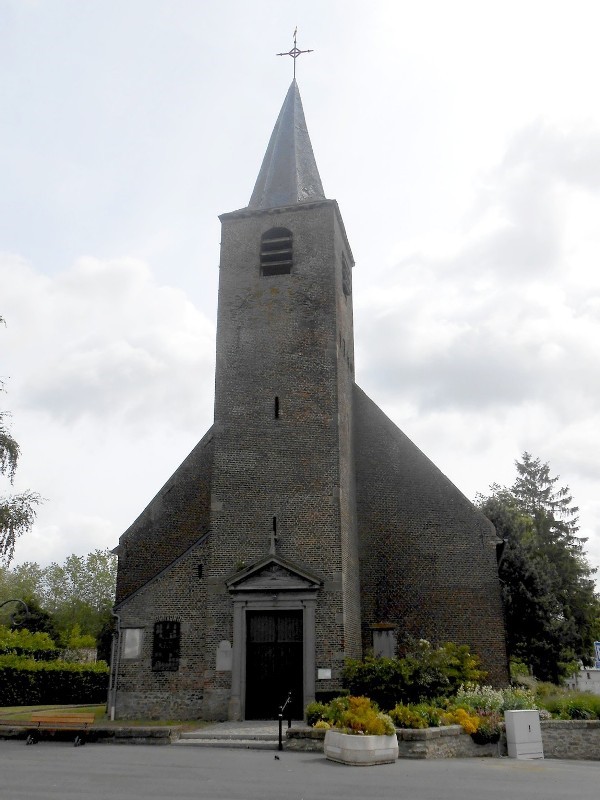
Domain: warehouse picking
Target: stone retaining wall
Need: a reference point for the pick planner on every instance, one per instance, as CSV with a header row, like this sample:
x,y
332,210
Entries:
x,y
447,742
569,739
116,735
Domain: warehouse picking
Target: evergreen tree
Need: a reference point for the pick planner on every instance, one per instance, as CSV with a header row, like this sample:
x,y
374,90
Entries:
x,y
551,608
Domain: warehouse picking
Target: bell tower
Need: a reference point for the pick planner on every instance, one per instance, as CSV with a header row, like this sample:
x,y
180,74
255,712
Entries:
x,y
283,483
305,522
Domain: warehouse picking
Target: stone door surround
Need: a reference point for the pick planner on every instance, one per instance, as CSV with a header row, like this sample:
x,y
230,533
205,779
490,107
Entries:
x,y
271,584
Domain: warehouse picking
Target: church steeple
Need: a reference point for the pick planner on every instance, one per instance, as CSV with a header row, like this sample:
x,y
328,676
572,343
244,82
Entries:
x,y
289,171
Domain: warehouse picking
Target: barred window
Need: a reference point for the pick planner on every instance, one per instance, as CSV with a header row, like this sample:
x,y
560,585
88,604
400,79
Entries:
x,y
166,646
276,252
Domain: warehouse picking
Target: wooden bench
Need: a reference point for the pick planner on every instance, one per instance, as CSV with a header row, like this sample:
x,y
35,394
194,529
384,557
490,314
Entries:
x,y
60,721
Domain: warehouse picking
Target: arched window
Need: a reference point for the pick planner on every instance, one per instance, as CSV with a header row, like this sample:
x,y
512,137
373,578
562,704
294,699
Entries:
x,y
276,252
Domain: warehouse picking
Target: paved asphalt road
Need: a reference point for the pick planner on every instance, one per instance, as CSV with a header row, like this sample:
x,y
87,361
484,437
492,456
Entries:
x,y
51,770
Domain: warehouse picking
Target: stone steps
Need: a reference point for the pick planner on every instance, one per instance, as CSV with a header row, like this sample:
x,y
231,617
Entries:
x,y
248,735
243,744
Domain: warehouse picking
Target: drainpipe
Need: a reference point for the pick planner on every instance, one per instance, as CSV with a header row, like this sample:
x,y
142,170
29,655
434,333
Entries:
x,y
114,667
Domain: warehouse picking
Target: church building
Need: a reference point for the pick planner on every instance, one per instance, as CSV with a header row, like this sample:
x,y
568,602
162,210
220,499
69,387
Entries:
x,y
304,528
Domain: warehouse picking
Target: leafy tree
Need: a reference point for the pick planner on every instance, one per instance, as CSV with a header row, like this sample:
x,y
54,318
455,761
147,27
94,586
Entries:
x,y
550,604
81,591
73,598
23,581
17,511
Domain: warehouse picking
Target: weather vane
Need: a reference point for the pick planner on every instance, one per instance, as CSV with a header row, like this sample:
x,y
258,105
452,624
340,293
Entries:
x,y
294,52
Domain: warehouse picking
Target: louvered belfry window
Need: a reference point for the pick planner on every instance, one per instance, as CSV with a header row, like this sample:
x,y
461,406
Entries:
x,y
276,252
165,646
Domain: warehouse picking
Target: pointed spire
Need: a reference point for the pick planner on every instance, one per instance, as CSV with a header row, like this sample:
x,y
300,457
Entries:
x,y
289,171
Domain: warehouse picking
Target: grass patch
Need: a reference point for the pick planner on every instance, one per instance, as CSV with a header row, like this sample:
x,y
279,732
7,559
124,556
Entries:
x,y
15,715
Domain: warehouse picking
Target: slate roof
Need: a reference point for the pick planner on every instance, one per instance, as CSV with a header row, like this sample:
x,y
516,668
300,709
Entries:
x,y
289,173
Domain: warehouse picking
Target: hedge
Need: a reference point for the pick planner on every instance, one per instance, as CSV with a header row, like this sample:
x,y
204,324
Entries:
x,y
21,642
25,682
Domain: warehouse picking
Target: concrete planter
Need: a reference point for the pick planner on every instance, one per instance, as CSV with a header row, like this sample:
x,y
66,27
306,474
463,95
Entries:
x,y
360,751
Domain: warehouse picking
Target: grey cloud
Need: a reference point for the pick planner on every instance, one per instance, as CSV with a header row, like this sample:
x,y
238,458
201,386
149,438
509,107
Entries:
x,y
496,323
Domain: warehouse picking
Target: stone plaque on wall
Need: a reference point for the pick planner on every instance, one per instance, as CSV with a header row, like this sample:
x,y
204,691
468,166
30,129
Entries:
x,y
224,660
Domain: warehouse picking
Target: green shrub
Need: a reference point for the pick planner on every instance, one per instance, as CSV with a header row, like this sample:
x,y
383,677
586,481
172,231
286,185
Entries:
x,y
579,708
351,714
337,709
518,669
553,704
420,715
422,674
486,699
363,716
314,712
22,642
567,704
518,698
489,728
545,689
24,681
479,698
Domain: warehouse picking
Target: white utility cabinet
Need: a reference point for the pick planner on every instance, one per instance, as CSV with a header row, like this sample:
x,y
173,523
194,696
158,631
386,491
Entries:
x,y
523,734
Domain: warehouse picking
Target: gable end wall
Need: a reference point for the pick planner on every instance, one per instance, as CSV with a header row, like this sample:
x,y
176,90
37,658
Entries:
x,y
176,518
427,555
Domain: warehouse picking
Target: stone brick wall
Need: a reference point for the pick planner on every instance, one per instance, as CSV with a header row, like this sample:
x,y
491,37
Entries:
x,y
576,739
352,642
427,555
177,593
296,444
279,337
176,518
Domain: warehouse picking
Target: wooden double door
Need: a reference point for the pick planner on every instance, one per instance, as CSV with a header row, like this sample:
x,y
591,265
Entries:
x,y
274,663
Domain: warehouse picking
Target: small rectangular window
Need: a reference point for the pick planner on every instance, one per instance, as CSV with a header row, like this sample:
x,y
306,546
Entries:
x,y
166,646
132,642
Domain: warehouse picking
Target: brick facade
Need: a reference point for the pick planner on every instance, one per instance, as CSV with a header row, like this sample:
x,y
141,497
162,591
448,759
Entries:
x,y
428,556
300,467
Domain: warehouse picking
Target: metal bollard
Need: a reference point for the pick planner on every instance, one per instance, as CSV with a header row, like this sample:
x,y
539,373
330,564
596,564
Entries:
x,y
280,718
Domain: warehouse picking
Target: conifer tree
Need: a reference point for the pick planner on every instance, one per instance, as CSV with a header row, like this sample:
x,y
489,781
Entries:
x,y
551,608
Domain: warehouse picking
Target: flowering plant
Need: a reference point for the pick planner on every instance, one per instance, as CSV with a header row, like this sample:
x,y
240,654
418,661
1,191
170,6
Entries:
x,y
355,715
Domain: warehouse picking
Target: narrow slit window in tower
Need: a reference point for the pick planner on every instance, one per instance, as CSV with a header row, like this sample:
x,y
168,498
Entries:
x,y
276,252
276,408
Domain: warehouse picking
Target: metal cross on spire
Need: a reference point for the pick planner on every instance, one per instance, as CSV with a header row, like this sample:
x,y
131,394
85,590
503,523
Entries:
x,y
294,52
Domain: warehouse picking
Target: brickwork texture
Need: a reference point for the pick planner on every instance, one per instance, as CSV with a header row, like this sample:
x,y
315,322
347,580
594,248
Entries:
x,y
301,463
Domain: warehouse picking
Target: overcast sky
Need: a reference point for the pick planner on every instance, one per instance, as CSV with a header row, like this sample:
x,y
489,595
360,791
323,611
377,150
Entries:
x,y
462,142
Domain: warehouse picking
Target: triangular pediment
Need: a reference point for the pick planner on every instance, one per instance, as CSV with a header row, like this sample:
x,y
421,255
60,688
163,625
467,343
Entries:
x,y
273,574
